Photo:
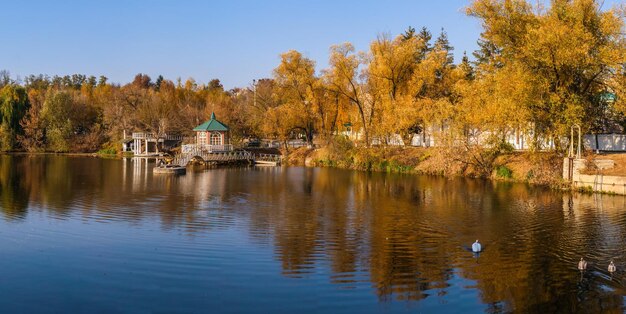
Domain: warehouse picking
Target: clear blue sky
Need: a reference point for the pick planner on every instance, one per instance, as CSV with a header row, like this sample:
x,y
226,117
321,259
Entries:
x,y
235,41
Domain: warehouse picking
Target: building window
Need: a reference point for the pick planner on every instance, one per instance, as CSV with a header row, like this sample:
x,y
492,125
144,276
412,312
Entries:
x,y
216,138
201,138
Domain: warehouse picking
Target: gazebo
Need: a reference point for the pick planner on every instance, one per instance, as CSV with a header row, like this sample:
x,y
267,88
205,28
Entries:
x,y
213,135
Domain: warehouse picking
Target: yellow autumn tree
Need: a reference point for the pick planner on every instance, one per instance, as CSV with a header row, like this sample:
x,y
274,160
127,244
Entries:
x,y
343,78
297,89
393,61
570,51
432,85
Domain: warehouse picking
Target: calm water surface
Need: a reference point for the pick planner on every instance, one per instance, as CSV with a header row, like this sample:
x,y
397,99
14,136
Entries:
x,y
98,235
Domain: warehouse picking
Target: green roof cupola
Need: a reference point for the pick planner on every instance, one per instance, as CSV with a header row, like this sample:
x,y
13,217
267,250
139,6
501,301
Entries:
x,y
211,125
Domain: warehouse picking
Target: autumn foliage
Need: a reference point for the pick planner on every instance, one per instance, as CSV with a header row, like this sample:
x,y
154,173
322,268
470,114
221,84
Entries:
x,y
539,69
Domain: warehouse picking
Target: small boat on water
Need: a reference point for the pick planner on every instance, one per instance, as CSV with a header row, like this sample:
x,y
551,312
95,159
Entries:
x,y
170,169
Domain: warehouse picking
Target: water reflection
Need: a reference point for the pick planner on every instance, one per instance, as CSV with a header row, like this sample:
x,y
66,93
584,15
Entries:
x,y
402,237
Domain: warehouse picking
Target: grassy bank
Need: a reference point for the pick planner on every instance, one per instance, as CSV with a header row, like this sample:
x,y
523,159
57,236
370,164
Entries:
x,y
533,168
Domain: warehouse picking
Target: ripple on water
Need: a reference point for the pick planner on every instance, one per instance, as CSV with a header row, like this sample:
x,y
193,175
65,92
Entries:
x,y
303,240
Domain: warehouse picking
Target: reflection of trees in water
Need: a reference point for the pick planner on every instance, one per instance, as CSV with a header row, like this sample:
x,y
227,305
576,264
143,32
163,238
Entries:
x,y
13,189
358,222
403,234
408,254
409,232
284,205
49,182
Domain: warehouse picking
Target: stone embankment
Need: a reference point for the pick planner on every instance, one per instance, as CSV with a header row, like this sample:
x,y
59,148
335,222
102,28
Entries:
x,y
591,175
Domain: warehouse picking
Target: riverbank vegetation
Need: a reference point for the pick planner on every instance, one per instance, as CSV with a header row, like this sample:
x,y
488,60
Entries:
x,y
539,69
543,168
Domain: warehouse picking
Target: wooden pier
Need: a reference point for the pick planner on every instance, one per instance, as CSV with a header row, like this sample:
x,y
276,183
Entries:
x,y
225,158
267,159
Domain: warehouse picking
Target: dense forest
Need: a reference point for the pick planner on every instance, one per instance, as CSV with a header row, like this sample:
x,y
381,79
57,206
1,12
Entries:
x,y
540,69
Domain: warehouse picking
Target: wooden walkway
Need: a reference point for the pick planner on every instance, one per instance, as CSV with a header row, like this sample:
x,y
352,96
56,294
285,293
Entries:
x,y
268,159
183,159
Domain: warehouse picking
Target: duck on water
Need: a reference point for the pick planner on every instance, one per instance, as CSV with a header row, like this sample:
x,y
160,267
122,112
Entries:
x,y
612,268
582,264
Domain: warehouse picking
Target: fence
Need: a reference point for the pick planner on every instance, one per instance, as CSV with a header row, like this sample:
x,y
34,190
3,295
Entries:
x,y
205,148
605,142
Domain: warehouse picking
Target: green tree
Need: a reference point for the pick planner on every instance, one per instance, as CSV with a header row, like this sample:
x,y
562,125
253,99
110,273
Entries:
x,y
13,106
56,114
5,78
442,44
159,81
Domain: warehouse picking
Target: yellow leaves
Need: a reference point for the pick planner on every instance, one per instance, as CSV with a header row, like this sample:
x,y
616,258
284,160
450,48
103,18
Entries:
x,y
573,34
342,78
618,86
505,22
498,100
428,72
190,84
393,62
298,92
553,63
557,44
343,72
294,69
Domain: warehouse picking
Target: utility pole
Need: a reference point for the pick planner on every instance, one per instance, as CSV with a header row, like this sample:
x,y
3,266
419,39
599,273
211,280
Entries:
x,y
254,88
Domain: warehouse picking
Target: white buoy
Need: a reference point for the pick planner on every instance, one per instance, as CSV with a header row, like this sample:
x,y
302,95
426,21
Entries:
x,y
612,267
476,247
582,265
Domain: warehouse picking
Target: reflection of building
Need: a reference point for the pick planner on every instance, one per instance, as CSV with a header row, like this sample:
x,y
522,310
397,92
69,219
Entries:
x,y
213,135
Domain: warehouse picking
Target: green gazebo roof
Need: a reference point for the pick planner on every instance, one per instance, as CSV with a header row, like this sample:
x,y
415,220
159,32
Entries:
x,y
211,125
608,97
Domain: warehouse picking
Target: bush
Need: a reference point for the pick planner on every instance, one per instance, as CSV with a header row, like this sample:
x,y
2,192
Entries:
x,y
107,151
7,137
479,158
58,141
504,172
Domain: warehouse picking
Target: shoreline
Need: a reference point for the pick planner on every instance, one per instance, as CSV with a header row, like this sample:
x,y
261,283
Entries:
x,y
539,169
524,167
536,169
94,154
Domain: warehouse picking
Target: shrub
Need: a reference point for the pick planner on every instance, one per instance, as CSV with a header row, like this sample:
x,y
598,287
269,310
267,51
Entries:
x,y
504,172
107,151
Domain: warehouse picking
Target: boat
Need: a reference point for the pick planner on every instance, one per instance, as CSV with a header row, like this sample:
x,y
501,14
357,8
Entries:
x,y
170,169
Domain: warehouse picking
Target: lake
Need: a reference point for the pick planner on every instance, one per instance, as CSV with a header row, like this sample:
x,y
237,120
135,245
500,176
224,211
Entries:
x,y
80,234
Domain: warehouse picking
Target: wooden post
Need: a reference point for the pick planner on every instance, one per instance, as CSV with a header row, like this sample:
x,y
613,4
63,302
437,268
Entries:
x,y
570,169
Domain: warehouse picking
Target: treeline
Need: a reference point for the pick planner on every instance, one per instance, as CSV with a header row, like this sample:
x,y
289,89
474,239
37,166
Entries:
x,y
539,70
84,114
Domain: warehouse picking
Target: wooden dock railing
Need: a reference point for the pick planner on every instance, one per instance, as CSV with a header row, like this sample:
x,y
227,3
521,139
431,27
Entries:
x,y
184,158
